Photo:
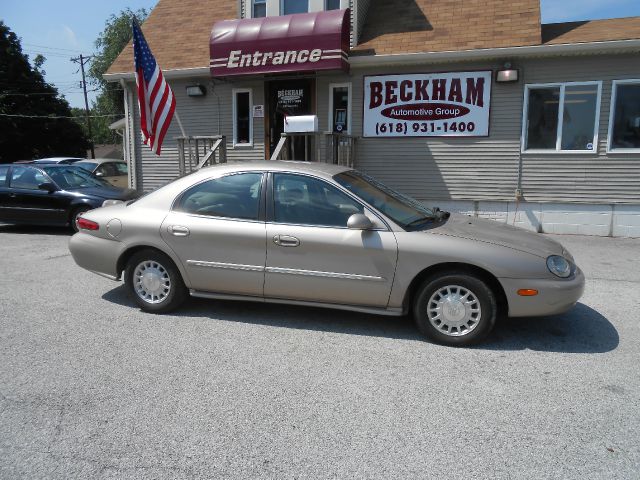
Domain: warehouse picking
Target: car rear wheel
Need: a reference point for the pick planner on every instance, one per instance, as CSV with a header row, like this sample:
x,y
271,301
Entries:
x,y
154,282
75,214
455,309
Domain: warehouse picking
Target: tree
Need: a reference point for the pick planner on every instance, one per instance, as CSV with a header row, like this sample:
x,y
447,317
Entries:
x,y
115,36
32,123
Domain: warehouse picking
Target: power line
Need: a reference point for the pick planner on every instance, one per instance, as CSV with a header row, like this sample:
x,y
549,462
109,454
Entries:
x,y
26,94
54,48
56,117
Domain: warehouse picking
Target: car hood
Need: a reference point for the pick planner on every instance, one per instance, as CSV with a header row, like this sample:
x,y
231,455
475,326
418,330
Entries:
x,y
111,193
497,233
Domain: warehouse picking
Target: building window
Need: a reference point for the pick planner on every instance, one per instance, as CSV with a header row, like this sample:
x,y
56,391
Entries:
x,y
242,122
624,121
561,117
340,107
259,9
287,7
332,5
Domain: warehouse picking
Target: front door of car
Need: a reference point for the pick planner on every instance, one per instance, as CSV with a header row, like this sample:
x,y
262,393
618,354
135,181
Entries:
x,y
5,196
313,256
29,204
217,230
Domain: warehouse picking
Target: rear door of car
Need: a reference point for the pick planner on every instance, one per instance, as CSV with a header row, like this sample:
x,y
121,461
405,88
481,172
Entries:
x,y
217,230
313,256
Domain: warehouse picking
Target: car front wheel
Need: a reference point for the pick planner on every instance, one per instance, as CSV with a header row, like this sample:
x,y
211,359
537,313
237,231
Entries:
x,y
154,282
455,309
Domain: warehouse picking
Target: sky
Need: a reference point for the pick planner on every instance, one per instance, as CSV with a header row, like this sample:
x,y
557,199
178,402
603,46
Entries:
x,y
65,28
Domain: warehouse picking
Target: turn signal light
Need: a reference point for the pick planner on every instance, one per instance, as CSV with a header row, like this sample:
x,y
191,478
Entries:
x,y
527,292
85,224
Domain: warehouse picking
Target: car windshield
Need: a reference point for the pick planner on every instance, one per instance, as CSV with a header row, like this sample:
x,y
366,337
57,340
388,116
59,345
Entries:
x,y
404,210
74,177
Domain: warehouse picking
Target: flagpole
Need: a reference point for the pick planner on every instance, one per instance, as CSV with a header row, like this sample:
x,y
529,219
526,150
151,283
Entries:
x,y
180,123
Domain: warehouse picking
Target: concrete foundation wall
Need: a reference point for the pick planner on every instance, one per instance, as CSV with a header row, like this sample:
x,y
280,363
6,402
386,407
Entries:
x,y
571,219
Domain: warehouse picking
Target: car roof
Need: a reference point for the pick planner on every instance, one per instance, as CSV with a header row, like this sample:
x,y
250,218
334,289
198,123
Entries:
x,y
280,165
168,192
99,161
55,159
52,165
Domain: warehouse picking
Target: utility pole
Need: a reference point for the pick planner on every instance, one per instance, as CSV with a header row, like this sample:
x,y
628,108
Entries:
x,y
82,60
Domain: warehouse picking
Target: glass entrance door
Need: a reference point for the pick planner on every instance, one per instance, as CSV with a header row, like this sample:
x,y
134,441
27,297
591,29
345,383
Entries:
x,y
288,98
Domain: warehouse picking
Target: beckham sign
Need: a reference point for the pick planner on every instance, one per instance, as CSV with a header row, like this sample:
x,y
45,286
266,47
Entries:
x,y
452,104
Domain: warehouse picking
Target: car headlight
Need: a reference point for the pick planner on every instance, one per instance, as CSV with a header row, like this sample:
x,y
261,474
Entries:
x,y
108,203
559,266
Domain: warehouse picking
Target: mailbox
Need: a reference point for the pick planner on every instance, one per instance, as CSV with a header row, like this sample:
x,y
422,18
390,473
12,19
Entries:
x,y
301,124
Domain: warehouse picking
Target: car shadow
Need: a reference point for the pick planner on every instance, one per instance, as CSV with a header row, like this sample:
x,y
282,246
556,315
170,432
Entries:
x,y
34,230
582,330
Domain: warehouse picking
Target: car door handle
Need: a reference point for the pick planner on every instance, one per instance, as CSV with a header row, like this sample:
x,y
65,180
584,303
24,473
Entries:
x,y
12,195
286,241
178,230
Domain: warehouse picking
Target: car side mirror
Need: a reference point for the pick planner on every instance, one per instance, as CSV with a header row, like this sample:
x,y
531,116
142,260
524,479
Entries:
x,y
99,174
47,186
358,221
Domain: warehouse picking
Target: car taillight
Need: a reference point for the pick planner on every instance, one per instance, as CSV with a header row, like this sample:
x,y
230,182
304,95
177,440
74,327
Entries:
x,y
85,224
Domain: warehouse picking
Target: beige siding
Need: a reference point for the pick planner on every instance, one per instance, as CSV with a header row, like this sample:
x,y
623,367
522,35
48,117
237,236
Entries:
x,y
482,169
447,168
591,178
487,168
208,115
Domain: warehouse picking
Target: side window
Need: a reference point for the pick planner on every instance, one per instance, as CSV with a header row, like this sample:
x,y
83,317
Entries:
x,y
121,168
259,8
3,174
332,4
106,170
305,200
27,178
242,120
624,125
232,196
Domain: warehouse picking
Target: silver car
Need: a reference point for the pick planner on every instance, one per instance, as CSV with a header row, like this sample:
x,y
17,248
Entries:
x,y
327,236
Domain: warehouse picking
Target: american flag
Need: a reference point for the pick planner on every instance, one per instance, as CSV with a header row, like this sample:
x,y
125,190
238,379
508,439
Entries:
x,y
155,98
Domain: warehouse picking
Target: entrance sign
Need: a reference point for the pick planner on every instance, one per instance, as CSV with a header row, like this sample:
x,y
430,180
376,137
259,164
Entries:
x,y
290,43
454,104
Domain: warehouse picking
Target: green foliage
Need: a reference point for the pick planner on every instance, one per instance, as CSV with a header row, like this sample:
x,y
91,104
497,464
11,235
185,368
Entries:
x,y
115,36
24,92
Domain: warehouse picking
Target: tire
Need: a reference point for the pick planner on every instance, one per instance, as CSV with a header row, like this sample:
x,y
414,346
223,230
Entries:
x,y
75,213
163,289
455,309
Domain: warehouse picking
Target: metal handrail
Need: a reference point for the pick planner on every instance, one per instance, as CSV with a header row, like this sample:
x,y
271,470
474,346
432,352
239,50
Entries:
x,y
339,148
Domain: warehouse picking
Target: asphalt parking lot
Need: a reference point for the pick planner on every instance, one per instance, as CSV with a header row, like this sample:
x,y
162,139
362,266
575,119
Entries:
x,y
91,387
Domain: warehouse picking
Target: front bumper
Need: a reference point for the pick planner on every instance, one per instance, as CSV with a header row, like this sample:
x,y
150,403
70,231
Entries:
x,y
555,295
96,254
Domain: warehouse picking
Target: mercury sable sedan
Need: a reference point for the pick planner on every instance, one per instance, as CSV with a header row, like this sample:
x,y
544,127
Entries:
x,y
326,236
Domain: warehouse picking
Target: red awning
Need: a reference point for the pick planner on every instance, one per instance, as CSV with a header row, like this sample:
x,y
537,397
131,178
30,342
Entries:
x,y
290,43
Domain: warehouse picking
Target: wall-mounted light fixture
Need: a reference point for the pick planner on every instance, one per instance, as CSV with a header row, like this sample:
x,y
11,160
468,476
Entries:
x,y
196,91
507,74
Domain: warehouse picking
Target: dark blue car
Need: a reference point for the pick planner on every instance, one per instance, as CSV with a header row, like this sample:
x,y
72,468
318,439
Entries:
x,y
52,194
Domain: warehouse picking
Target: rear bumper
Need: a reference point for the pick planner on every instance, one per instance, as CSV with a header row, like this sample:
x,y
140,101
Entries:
x,y
554,297
95,254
